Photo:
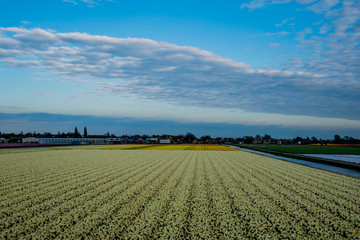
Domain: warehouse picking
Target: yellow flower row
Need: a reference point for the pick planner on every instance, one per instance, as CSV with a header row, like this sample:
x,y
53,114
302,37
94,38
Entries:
x,y
172,147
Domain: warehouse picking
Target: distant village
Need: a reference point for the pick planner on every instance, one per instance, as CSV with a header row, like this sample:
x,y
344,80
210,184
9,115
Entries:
x,y
77,138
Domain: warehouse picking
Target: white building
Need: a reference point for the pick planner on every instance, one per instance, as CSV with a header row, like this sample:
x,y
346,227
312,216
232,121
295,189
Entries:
x,y
30,140
165,141
64,141
152,140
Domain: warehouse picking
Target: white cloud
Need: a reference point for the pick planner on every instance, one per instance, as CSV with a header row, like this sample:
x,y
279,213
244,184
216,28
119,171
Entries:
x,y
262,3
91,3
192,114
305,1
280,34
44,95
180,75
20,63
325,29
71,1
285,22
44,79
274,45
165,69
302,34
329,46
318,7
25,22
335,52
323,6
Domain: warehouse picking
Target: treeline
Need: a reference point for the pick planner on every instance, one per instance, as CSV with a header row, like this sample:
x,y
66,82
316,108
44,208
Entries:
x,y
267,139
75,134
184,138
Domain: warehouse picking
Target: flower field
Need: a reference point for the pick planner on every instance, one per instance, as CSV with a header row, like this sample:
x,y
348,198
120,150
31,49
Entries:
x,y
309,149
197,147
171,194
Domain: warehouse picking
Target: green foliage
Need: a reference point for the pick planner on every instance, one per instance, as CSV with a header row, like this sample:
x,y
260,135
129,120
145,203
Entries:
x,y
249,139
311,149
85,132
76,133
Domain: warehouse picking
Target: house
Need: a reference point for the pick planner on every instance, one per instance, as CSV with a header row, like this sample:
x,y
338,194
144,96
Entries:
x,y
152,140
115,140
15,139
165,141
30,140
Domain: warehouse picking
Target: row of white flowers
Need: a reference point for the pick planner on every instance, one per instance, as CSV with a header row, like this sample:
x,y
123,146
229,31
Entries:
x,y
140,194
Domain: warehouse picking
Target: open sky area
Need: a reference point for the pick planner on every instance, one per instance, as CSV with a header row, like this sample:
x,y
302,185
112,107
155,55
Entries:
x,y
222,68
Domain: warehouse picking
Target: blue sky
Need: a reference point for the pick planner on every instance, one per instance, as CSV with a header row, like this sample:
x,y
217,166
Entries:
x,y
263,66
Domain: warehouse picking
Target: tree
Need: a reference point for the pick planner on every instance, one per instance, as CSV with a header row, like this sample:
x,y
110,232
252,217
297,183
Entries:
x,y
337,139
205,138
314,140
178,138
85,132
298,140
267,137
249,139
189,137
76,132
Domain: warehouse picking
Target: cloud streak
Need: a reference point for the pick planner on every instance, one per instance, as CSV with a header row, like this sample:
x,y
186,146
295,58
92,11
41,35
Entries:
x,y
328,47
335,50
179,75
91,3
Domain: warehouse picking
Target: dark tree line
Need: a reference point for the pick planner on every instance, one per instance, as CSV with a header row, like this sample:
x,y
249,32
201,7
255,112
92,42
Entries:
x,y
187,138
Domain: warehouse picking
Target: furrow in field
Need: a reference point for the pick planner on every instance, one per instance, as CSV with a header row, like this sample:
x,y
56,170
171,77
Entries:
x,y
227,225
316,207
293,201
178,218
339,197
31,164
38,176
336,181
27,192
185,231
21,211
113,218
71,211
152,217
333,190
168,194
244,204
81,166
203,216
279,223
62,180
337,225
324,197
333,183
331,187
55,197
17,182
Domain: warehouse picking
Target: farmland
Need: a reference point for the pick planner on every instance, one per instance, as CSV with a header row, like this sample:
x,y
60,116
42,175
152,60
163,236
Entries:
x,y
114,193
309,149
305,153
196,147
